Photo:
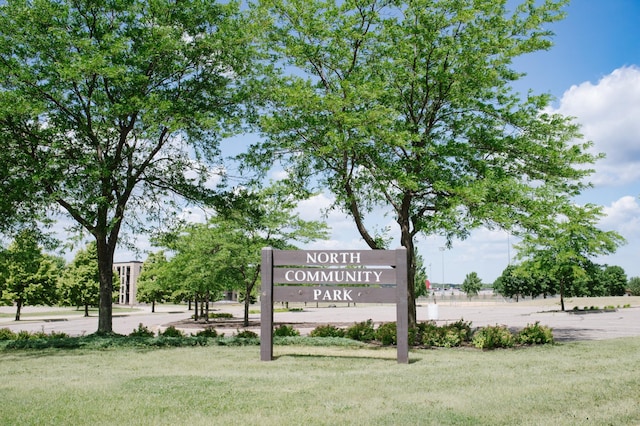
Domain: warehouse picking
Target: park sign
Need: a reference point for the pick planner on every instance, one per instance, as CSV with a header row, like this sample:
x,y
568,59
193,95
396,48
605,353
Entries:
x,y
353,276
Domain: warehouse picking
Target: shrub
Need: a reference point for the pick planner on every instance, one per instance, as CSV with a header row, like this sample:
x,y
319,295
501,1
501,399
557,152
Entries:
x,y
492,337
142,331
223,315
327,331
23,335
285,331
446,336
246,334
6,334
361,331
535,334
171,331
386,334
208,332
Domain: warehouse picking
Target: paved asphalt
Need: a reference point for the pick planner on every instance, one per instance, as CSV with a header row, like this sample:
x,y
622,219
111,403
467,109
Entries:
x,y
566,325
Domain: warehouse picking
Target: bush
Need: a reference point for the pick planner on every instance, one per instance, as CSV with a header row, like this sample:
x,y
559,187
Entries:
x,y
327,331
387,334
6,334
492,337
208,332
222,315
246,334
535,334
171,331
361,331
142,331
285,331
446,336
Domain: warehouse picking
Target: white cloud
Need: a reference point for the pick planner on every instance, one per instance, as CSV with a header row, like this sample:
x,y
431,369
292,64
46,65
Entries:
x,y
608,113
623,216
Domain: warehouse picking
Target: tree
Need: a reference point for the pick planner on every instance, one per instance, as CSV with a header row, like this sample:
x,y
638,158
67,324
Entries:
x,y
564,244
471,284
407,107
615,280
420,278
634,286
80,282
109,110
27,275
226,251
152,283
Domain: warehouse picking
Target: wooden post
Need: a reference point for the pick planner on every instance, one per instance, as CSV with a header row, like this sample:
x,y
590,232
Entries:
x,y
402,306
266,305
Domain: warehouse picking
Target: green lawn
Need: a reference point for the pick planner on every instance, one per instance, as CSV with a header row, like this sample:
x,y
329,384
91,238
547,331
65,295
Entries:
x,y
578,383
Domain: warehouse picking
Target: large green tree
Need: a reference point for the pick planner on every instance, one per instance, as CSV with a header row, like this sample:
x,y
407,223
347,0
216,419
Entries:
x,y
110,108
28,276
80,282
564,244
408,107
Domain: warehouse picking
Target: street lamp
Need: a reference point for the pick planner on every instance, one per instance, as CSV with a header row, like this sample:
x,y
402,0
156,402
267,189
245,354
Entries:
x,y
442,249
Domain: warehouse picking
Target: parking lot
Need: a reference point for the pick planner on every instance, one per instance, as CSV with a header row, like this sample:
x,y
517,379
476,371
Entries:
x,y
595,324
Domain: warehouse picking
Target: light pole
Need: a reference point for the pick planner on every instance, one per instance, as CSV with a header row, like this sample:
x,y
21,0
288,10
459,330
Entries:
x,y
442,249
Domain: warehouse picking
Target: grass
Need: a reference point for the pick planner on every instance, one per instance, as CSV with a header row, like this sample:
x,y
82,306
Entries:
x,y
59,312
576,383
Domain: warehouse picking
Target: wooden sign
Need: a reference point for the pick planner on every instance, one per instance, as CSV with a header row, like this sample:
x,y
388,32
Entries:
x,y
369,276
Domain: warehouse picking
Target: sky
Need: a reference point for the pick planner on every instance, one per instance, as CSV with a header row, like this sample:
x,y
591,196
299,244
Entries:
x,y
593,72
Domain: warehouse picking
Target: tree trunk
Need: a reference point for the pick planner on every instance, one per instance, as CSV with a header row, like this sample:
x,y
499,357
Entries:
x,y
18,308
105,267
406,240
247,302
153,306
206,311
195,308
86,310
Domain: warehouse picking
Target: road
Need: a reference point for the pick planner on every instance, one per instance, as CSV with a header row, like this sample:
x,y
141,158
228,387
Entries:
x,y
568,325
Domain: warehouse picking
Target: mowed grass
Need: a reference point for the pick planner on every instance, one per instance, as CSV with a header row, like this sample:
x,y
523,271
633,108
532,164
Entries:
x,y
577,383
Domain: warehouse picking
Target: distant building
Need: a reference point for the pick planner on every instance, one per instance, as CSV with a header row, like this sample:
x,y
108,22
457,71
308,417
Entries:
x,y
128,273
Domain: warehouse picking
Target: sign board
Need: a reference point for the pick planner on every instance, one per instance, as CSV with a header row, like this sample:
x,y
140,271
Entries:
x,y
370,276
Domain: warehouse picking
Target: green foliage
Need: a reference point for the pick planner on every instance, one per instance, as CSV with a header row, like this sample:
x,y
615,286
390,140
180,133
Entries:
x,y
327,330
208,332
153,283
7,334
225,252
493,337
171,331
563,244
387,333
27,275
471,284
142,331
220,315
361,331
634,286
124,104
445,336
246,334
80,282
417,98
284,330
535,334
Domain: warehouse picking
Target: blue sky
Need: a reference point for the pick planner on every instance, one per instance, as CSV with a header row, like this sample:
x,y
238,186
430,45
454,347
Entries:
x,y
593,71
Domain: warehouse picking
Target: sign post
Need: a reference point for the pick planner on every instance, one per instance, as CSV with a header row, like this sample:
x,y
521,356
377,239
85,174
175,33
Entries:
x,y
372,276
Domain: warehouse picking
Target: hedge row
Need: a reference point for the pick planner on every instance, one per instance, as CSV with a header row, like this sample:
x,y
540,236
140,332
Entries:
x,y
426,334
